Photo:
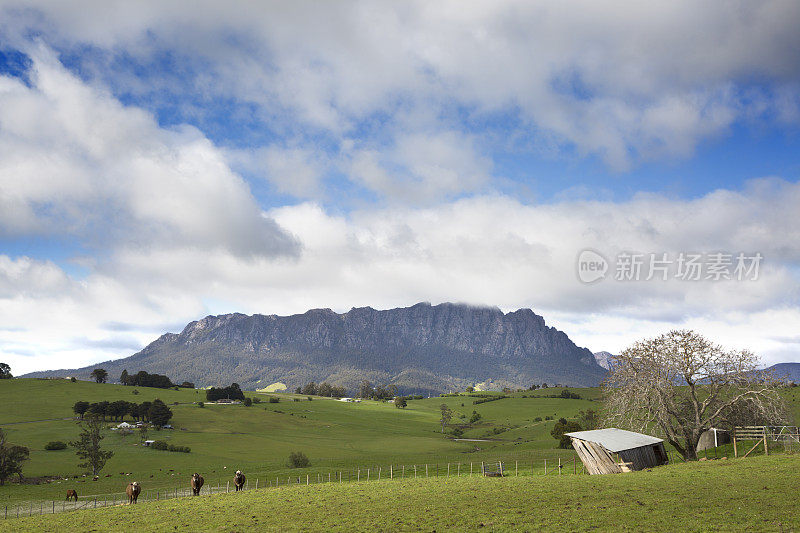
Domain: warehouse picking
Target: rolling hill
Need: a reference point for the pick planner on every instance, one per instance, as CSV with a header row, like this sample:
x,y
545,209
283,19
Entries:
x,y
422,348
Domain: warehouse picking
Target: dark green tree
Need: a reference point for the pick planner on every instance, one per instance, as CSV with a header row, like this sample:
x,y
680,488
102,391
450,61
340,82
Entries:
x,y
5,371
11,458
400,402
159,414
123,378
80,408
87,447
310,389
248,402
100,375
564,426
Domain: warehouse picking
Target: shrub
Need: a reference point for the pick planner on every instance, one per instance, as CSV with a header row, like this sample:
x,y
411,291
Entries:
x,y
560,428
310,398
548,418
256,400
182,449
273,399
537,419
159,445
55,445
248,402
298,460
457,432
200,404
475,417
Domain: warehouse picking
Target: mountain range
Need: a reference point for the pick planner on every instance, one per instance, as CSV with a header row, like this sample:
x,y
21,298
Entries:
x,y
422,348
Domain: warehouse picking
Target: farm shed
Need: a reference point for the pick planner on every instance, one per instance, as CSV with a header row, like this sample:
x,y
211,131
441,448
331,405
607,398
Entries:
x,y
612,450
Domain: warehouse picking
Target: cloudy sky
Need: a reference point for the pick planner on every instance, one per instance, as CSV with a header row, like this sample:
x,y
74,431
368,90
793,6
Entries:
x,y
162,161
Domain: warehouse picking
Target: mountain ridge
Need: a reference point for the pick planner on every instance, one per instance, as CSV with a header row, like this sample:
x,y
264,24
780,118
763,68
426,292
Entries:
x,y
421,348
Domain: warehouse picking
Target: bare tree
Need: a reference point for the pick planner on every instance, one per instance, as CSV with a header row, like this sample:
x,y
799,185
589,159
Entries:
x,y
447,414
681,384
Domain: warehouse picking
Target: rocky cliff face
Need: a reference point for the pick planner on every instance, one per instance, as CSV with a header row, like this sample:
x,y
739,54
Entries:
x,y
422,348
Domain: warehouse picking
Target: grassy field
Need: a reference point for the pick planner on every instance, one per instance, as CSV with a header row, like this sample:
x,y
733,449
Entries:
x,y
753,494
335,435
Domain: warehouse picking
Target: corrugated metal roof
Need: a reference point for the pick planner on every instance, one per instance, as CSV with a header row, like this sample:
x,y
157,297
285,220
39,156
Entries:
x,y
615,440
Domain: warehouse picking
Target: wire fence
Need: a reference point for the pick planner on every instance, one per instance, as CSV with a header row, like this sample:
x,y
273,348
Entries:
x,y
262,480
557,466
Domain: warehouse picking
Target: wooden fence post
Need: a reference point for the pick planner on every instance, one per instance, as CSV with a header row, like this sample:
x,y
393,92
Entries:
x,y
735,453
766,449
545,467
516,468
391,472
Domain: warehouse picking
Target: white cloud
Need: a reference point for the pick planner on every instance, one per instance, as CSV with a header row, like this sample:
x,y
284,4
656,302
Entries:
x,y
78,163
626,82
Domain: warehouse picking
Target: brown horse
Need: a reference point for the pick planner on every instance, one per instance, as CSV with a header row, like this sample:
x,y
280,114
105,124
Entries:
x,y
72,495
133,491
239,480
197,483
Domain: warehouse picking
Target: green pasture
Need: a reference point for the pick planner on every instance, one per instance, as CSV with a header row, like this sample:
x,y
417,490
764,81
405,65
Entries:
x,y
753,494
336,436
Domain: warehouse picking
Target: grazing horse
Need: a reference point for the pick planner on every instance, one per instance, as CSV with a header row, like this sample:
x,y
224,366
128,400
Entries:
x,y
72,494
239,480
197,483
133,491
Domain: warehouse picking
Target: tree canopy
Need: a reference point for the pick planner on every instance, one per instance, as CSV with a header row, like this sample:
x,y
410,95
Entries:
x,y
5,371
100,375
681,384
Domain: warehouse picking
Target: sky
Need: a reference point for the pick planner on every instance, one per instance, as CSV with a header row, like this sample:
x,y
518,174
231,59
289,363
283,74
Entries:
x,y
621,168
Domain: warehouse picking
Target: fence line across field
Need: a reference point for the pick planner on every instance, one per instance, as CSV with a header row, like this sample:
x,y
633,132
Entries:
x,y
263,480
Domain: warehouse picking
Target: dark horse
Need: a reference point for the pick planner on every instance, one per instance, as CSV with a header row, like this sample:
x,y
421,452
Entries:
x,y
197,483
239,480
72,494
133,491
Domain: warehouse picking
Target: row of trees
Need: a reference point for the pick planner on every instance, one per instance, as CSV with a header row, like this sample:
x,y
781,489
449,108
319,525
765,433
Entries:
x,y
155,412
323,389
234,392
367,390
143,379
